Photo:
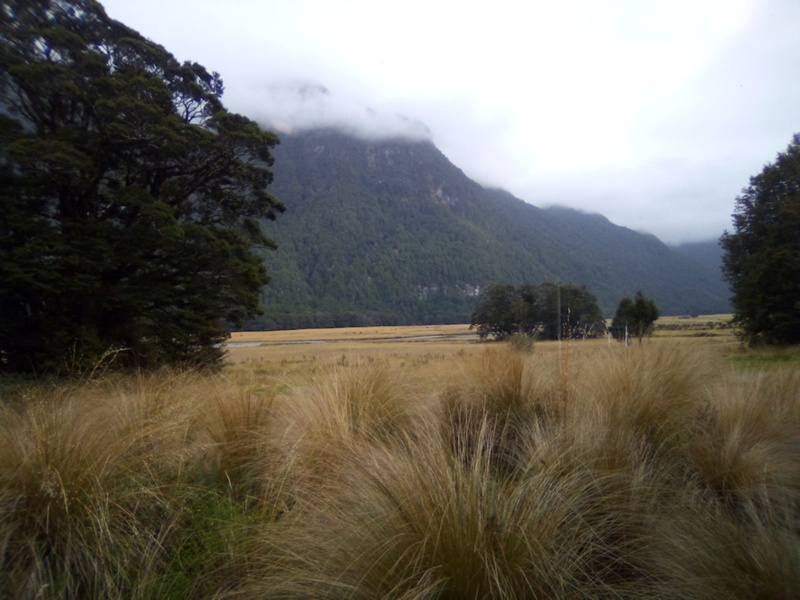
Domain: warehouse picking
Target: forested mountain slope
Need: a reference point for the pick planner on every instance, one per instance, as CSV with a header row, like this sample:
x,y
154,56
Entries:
x,y
389,231
708,254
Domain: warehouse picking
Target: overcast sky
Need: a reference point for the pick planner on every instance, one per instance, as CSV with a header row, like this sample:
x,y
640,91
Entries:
x,y
654,113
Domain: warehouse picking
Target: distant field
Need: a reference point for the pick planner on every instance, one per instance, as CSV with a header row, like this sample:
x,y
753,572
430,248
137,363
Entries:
x,y
349,334
700,325
424,342
296,354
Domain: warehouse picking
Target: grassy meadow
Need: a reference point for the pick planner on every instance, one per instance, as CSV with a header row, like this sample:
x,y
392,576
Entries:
x,y
412,463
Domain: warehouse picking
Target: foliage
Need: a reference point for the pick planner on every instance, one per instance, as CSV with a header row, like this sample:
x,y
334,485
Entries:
x,y
129,196
762,255
606,487
634,317
502,311
549,311
569,312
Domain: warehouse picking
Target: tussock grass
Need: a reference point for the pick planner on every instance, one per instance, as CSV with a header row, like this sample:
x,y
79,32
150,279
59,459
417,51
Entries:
x,y
100,483
639,404
235,422
653,471
317,425
496,398
407,518
409,521
704,551
79,502
748,450
566,477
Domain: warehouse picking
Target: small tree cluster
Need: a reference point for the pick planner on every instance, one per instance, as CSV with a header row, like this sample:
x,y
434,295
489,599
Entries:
x,y
635,317
548,311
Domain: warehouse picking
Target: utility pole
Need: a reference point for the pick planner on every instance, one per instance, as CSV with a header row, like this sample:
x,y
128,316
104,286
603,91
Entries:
x,y
558,308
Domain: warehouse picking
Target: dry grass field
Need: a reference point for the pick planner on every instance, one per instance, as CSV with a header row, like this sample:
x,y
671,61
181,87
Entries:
x,y
412,463
695,326
296,355
429,348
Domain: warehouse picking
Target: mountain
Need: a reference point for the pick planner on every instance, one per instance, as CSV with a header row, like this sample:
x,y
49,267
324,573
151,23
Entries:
x,y
707,254
391,232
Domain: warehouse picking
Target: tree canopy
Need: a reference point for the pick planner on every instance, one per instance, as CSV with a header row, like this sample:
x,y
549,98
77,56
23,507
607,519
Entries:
x,y
762,255
634,317
548,311
129,196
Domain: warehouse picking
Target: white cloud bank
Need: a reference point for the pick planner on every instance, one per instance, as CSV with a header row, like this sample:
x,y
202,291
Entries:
x,y
291,105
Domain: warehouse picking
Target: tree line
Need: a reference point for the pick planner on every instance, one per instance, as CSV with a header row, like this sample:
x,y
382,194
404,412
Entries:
x,y
557,312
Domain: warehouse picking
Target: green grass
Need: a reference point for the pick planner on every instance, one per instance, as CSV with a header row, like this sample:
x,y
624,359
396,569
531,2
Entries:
x,y
766,357
659,470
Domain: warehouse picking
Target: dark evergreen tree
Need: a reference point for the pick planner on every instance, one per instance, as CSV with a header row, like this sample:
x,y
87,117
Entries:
x,y
569,312
635,317
622,324
129,196
498,312
762,255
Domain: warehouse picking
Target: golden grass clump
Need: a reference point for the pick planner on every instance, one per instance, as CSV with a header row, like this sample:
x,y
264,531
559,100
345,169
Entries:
x,y
628,408
498,380
408,519
316,425
653,391
80,505
570,476
748,449
702,550
494,398
233,423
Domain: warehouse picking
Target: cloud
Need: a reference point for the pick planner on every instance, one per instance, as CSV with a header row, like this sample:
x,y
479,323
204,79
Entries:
x,y
290,105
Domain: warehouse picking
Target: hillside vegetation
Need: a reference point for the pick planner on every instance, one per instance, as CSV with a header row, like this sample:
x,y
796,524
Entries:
x,y
578,470
390,232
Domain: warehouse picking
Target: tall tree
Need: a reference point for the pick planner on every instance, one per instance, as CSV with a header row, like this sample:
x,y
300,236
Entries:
x,y
129,196
569,312
635,317
500,312
762,255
